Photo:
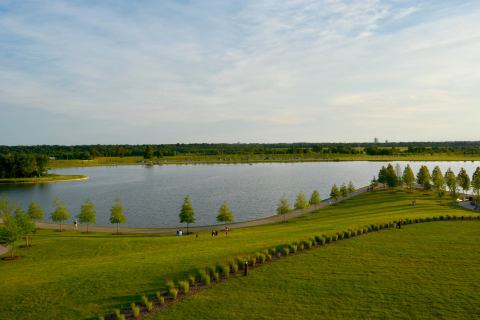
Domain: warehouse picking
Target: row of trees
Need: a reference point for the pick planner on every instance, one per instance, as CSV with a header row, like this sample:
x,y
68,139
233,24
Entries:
x,y
393,177
21,165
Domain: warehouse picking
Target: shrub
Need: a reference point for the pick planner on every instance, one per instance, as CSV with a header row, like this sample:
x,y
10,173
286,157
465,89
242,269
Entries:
x,y
233,266
441,218
346,234
210,270
191,279
293,248
241,263
328,239
272,251
448,217
252,260
268,257
160,298
169,284
101,318
204,277
365,230
173,293
340,236
308,244
380,227
216,276
370,228
148,304
225,270
300,247
334,238
184,286
135,310
435,218
322,241
386,226
359,232
119,315
286,250
261,258
318,239
353,234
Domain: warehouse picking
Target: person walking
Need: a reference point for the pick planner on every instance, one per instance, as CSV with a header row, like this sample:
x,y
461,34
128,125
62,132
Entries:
x,y
75,224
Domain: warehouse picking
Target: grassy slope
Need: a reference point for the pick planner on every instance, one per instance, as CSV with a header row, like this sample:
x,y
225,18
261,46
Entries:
x,y
73,276
44,179
423,271
186,159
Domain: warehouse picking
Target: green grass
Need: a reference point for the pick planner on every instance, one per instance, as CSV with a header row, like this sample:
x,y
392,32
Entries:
x,y
259,158
43,179
71,275
423,271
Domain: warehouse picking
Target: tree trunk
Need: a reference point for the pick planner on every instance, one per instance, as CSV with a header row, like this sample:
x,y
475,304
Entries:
x,y
117,228
26,238
60,227
87,227
187,228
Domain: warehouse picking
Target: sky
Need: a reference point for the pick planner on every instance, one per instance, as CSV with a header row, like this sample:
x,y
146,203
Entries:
x,y
135,72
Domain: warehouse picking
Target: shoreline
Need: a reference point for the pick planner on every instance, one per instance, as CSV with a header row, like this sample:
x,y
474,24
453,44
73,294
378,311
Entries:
x,y
51,179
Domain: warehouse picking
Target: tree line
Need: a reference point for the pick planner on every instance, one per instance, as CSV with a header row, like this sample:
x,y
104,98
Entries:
x,y
22,165
85,152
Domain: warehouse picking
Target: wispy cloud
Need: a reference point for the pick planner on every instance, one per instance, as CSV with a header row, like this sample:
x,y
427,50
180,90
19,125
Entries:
x,y
282,70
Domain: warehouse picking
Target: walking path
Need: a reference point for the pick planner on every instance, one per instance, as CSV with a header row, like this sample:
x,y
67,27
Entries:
x,y
251,223
3,250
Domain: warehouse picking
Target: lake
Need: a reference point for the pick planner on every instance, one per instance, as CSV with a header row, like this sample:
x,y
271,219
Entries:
x,y
152,195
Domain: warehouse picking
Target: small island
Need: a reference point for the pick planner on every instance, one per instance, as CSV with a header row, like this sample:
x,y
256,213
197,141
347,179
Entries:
x,y
20,168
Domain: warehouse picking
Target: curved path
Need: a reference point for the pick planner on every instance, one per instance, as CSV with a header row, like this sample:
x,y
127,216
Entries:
x,y
171,230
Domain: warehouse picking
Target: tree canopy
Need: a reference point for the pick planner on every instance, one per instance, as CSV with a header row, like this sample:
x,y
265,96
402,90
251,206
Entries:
x,y
225,214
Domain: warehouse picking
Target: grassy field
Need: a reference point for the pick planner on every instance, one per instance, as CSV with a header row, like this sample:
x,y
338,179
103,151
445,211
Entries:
x,y
44,179
71,275
257,158
423,271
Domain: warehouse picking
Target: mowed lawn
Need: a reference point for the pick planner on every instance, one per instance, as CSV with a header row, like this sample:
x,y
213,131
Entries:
x,y
423,271
71,275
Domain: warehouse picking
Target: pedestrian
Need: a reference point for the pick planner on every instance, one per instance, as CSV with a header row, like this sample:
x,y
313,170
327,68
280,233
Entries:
x,y
213,233
75,224
216,233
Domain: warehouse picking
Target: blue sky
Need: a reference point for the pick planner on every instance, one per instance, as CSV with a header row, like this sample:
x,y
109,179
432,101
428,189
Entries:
x,y
81,72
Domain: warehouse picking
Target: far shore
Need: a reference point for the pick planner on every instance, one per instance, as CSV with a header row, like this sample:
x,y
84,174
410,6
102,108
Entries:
x,y
51,178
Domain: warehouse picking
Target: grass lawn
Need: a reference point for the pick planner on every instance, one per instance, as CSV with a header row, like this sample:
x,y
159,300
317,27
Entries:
x,y
423,271
71,275
43,179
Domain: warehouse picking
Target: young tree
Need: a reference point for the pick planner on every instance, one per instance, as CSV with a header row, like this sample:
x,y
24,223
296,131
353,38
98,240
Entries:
x,y
344,190
398,173
315,198
391,176
224,214
35,212
25,224
60,214
351,187
87,213
438,181
117,214
283,207
408,177
451,181
463,181
382,176
10,232
335,193
423,178
301,202
476,185
187,215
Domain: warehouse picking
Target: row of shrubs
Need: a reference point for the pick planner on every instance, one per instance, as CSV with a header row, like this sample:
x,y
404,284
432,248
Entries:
x,y
205,276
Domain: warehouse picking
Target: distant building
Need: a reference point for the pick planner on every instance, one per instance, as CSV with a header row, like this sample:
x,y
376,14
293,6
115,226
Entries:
x,y
386,141
375,140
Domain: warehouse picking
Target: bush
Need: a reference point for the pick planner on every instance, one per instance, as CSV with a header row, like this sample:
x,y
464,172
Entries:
x,y
101,318
307,244
328,239
225,270
370,228
135,310
340,236
346,235
334,237
204,277
268,257
386,226
261,258
169,284
160,298
148,304
293,248
252,260
322,241
210,270
441,218
272,251
216,276
119,315
173,293
352,233
359,232
365,230
233,266
191,279
286,251
184,286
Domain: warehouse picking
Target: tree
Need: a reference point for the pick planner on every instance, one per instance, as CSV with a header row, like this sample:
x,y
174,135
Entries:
x,y
187,215
301,202
224,214
382,175
344,190
60,214
463,181
283,207
10,232
389,176
451,181
351,187
315,198
35,212
335,193
476,184
148,154
87,213
438,181
25,224
423,178
408,177
117,214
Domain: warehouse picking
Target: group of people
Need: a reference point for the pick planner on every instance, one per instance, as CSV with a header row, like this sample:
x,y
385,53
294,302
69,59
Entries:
x,y
225,229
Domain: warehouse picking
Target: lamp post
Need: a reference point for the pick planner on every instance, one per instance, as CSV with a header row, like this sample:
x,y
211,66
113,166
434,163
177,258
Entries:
x,y
246,268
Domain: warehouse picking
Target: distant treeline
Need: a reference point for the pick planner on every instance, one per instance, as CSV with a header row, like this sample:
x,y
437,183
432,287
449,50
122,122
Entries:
x,y
21,165
84,152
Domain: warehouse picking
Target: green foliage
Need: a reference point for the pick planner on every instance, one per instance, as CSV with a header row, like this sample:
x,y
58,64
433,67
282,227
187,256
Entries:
x,y
438,181
233,266
10,232
224,214
191,279
169,284
24,223
315,198
119,315
424,178
187,215
87,213
60,214
184,286
335,193
21,165
285,250
160,298
173,292
147,303
344,190
216,276
476,184
204,277
408,177
283,206
135,310
463,180
35,211
451,182
117,215
301,202
292,248
351,187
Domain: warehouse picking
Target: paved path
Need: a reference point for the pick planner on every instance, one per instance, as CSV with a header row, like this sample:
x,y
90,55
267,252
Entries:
x,y
258,222
3,250
468,205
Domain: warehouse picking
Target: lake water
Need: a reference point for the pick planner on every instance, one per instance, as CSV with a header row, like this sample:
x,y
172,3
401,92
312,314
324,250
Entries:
x,y
153,195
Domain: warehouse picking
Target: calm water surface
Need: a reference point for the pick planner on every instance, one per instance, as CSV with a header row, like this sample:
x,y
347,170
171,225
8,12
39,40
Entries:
x,y
152,196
